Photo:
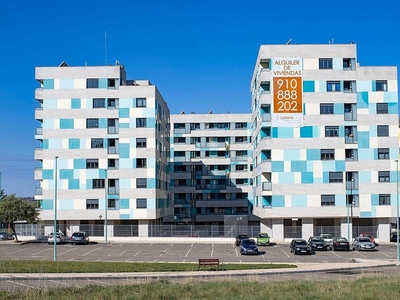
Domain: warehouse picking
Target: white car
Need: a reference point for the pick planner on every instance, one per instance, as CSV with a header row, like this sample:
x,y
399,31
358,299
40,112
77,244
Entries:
x,y
328,238
60,238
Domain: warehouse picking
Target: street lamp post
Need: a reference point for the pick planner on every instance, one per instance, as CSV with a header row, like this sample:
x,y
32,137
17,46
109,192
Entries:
x,y
397,212
106,206
351,199
55,209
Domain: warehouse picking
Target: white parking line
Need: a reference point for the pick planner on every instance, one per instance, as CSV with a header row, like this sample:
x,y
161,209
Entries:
x,y
61,253
384,254
102,282
137,253
285,252
21,284
212,250
237,255
91,251
333,252
36,253
60,282
187,253
122,253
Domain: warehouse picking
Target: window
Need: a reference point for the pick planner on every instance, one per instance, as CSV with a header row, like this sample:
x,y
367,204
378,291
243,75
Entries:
x,y
349,86
112,146
141,183
92,163
140,102
325,63
265,63
141,143
97,143
141,122
381,85
141,203
383,130
111,82
98,183
383,153
241,167
141,162
92,123
347,63
240,125
179,154
384,199
111,103
326,109
112,203
194,126
381,108
327,200
179,140
92,83
351,154
384,176
92,203
333,86
335,176
240,139
331,131
327,154
113,163
99,102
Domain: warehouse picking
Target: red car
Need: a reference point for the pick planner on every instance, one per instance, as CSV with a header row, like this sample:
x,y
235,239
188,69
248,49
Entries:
x,y
366,234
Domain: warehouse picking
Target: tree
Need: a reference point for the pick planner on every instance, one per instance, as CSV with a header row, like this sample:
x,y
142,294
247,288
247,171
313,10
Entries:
x,y
13,208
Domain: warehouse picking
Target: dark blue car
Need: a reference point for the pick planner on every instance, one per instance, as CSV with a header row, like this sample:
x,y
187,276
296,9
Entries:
x,y
248,246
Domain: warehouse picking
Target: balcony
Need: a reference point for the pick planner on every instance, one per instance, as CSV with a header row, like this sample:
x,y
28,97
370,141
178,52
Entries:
x,y
39,191
239,158
216,145
267,186
38,173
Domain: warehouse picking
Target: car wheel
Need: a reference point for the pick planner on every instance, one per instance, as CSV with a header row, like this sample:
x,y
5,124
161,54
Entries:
x,y
354,249
72,243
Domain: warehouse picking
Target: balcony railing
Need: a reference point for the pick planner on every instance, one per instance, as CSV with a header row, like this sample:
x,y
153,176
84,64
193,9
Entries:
x,y
38,191
267,186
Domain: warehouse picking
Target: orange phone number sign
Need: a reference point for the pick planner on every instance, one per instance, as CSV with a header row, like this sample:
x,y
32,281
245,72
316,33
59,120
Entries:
x,y
288,96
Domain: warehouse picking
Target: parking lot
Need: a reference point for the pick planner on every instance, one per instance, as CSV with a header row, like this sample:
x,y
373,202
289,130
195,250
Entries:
x,y
178,252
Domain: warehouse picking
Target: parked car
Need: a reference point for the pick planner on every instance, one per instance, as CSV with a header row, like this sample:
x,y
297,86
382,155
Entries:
x,y
239,238
328,238
363,243
6,236
394,237
263,239
300,246
248,246
341,243
317,243
80,237
60,238
366,234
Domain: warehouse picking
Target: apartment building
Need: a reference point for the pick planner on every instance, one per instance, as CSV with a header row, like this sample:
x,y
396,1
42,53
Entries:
x,y
211,170
104,146
325,142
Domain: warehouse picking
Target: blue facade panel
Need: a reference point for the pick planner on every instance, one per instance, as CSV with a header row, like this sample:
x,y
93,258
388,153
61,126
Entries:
x,y
66,84
278,201
306,132
74,143
307,177
48,84
66,174
362,100
313,154
66,123
124,203
277,166
308,86
299,200
75,103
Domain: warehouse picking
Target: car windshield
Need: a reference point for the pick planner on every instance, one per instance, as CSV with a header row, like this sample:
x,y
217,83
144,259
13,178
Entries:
x,y
341,239
78,234
249,242
326,236
317,239
243,236
262,235
301,243
364,240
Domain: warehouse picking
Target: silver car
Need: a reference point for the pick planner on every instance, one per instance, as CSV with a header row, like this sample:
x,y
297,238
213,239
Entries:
x,y
363,243
60,238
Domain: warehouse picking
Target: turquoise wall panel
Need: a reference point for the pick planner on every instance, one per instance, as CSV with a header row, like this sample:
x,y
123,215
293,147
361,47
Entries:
x,y
278,201
49,103
322,86
89,184
374,199
47,204
313,154
364,86
291,154
124,203
274,132
79,163
66,84
362,100
340,165
364,176
308,86
56,144
338,108
393,153
74,143
306,132
48,84
151,203
329,165
365,214
367,154
337,63
66,174
48,124
102,123
392,108
373,85
125,183
307,177
325,177
103,83
124,150
125,102
66,123
148,112
151,123
65,204
299,200
373,131
73,184
285,178
285,132
151,183
47,174
298,166
125,216
125,163
124,112
45,144
390,97
277,166
75,103
124,125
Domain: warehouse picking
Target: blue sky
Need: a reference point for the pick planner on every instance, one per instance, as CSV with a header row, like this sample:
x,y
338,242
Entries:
x,y
200,54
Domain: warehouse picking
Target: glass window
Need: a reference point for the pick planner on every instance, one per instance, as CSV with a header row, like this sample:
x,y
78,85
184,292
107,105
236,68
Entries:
x,y
97,143
99,102
141,143
331,131
383,130
325,63
384,199
112,203
92,163
381,108
141,162
194,126
113,163
141,122
111,82
326,109
327,200
381,85
141,203
140,102
333,86
92,203
111,103
92,83
327,154
335,176
383,153
141,183
98,183
384,176
92,123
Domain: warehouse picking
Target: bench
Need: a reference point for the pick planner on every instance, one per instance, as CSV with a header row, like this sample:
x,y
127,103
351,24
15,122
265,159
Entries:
x,y
209,262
